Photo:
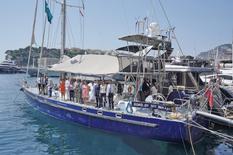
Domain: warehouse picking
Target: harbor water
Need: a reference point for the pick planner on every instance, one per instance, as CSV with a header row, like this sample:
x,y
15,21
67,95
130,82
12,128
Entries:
x,y
24,130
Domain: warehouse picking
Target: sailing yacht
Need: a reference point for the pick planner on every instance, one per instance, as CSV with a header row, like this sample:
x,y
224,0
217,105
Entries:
x,y
159,118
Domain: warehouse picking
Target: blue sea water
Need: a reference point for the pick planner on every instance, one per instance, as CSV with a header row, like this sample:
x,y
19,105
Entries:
x,y
24,130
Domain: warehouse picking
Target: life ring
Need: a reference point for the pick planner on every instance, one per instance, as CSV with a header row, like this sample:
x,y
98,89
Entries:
x,y
130,89
159,97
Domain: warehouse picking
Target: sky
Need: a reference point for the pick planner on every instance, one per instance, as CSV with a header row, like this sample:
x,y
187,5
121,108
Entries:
x,y
200,25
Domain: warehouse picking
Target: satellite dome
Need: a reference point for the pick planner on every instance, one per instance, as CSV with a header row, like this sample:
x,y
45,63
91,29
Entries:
x,y
153,29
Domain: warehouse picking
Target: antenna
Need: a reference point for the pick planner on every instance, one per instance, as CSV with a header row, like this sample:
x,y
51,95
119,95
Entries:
x,y
140,25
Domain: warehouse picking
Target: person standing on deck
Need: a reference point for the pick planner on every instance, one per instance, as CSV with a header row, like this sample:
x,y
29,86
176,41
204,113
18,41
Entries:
x,y
170,88
153,89
56,91
119,89
80,85
76,90
103,94
71,89
50,87
146,88
91,92
97,94
85,92
43,85
38,80
109,95
62,89
46,84
67,85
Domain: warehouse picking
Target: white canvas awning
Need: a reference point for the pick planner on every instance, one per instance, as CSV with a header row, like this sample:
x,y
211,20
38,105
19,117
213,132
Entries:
x,y
91,65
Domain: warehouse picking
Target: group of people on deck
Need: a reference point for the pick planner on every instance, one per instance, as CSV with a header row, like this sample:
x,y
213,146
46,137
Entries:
x,y
99,92
45,85
81,91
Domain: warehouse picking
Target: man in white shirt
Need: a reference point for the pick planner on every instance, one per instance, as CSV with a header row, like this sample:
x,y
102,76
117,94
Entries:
x,y
109,94
103,93
67,85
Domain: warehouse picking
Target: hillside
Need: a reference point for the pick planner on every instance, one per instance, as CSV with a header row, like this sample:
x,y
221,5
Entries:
x,y
20,56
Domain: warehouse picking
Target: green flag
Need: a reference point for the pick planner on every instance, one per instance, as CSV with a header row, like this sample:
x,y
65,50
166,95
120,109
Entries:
x,y
47,11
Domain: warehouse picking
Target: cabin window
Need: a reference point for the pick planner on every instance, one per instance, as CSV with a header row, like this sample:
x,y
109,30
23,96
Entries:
x,y
226,77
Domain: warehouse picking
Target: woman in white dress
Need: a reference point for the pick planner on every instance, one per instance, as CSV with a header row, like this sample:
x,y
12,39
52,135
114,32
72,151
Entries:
x,y
91,92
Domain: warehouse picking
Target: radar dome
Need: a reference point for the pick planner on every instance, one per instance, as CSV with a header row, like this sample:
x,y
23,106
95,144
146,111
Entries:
x,y
153,29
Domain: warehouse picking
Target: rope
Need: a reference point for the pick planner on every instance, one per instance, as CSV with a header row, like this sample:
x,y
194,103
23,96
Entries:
x,y
191,142
185,149
222,135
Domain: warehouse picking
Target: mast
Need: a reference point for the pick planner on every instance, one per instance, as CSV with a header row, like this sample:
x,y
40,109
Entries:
x,y
63,29
41,49
32,38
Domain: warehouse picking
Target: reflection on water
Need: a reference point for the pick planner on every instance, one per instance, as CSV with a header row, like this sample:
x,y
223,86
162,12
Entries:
x,y
66,137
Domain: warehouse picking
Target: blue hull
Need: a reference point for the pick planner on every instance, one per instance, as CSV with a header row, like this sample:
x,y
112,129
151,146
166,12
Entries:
x,y
153,128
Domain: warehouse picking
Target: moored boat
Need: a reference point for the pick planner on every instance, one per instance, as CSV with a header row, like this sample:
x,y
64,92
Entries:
x,y
157,118
177,128
9,66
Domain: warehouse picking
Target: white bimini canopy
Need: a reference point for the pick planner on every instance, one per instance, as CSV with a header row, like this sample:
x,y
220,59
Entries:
x,y
89,65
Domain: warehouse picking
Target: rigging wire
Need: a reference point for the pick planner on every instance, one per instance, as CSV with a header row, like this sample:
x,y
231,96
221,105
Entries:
x,y
154,12
222,135
42,46
189,131
55,38
170,27
182,138
71,32
81,17
69,43
32,38
83,41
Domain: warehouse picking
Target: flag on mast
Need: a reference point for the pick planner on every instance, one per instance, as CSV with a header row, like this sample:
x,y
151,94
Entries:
x,y
48,12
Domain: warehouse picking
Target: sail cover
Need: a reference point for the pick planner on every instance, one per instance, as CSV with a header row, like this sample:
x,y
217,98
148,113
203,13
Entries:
x,y
91,65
